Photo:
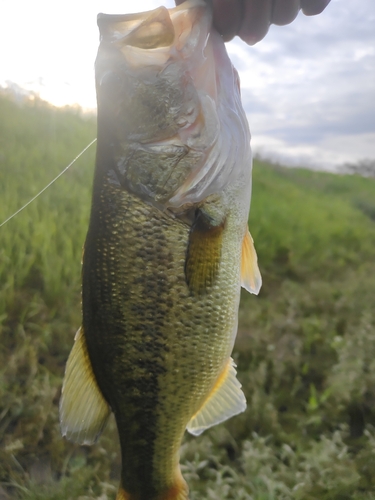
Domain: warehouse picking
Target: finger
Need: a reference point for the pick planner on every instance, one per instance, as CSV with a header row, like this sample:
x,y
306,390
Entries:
x,y
256,20
227,17
313,7
284,11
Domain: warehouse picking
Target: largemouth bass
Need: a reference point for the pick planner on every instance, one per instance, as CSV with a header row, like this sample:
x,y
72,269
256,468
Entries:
x,y
167,247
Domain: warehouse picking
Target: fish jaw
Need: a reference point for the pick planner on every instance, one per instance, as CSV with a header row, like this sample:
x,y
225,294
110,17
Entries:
x,y
149,38
170,105
142,70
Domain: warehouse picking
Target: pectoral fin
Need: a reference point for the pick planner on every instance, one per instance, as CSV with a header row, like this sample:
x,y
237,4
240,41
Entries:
x,y
251,278
83,409
204,253
225,400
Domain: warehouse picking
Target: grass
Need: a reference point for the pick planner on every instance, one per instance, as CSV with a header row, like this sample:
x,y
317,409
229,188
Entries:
x,y
305,349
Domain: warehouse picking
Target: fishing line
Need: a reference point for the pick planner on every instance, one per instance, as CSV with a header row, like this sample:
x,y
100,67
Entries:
x,y
50,184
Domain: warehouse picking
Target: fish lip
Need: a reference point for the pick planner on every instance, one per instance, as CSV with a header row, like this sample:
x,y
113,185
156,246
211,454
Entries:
x,y
104,21
118,27
167,24
102,17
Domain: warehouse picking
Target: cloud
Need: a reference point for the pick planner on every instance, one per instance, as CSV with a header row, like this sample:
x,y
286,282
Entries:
x,y
328,154
310,86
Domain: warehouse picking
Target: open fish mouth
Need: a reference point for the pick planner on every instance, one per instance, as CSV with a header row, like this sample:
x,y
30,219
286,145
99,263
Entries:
x,y
170,99
148,37
159,38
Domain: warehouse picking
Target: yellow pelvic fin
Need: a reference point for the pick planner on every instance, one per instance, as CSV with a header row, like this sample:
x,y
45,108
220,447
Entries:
x,y
251,278
225,400
83,409
203,255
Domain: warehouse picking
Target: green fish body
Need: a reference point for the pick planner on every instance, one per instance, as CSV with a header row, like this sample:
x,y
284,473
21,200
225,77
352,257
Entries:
x,y
167,247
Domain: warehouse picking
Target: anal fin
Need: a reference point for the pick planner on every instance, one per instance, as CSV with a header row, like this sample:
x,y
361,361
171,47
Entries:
x,y
251,278
83,409
225,400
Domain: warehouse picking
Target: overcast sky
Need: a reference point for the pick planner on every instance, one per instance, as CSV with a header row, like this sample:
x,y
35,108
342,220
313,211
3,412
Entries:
x,y
308,88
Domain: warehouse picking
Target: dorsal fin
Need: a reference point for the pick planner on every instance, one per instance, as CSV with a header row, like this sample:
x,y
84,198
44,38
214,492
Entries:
x,y
83,409
251,278
224,401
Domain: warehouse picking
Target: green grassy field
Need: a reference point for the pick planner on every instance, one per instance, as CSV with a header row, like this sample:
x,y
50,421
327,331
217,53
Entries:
x,y
305,349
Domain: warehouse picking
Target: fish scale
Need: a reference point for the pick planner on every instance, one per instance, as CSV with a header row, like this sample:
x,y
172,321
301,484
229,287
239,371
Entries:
x,y
154,334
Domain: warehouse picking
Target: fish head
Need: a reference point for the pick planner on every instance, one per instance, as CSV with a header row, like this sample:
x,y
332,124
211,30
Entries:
x,y
165,90
142,70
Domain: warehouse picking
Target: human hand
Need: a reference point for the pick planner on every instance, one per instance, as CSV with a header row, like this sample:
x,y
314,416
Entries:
x,y
251,19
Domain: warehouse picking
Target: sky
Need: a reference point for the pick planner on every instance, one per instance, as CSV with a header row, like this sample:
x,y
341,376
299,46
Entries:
x,y
308,88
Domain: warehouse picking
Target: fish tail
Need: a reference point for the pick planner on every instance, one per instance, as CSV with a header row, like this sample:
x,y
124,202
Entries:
x,y
122,495
179,491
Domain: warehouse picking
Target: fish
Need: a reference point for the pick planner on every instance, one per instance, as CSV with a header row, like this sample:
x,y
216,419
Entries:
x,y
167,247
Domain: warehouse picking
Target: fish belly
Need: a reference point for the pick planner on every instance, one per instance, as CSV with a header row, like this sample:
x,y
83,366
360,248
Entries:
x,y
156,347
